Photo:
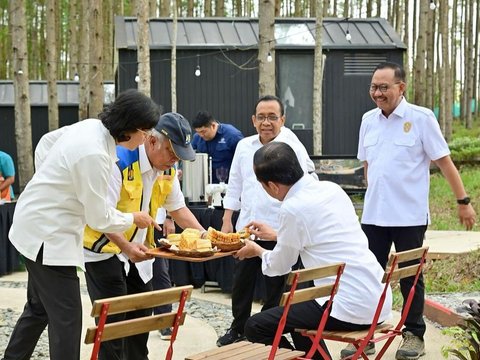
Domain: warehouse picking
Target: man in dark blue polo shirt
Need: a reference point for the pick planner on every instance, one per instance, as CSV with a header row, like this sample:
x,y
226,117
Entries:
x,y
217,140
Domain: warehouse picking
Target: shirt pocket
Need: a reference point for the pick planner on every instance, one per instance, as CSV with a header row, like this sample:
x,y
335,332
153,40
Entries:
x,y
404,148
370,143
133,189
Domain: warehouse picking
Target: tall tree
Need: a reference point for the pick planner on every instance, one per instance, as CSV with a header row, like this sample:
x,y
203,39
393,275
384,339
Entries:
x,y
430,60
108,30
419,65
95,58
318,81
207,8
174,57
23,129
143,49
52,66
406,39
83,58
74,35
220,8
468,67
445,73
266,47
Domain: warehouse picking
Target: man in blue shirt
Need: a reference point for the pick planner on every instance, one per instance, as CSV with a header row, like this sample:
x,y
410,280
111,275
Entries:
x,y
217,140
7,176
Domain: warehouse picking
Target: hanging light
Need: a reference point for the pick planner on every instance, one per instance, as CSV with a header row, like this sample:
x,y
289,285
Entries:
x,y
137,78
197,69
76,77
432,5
348,36
20,72
269,57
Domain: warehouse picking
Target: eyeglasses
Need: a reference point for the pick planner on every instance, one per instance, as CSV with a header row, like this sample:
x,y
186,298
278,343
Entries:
x,y
383,88
145,133
262,118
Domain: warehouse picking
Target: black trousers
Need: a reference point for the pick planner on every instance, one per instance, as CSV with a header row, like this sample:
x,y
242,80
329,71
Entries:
x,y
53,299
261,327
380,241
161,280
107,279
243,288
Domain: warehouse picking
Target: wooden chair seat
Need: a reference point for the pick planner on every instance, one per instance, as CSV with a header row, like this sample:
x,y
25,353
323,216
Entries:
x,y
347,336
244,350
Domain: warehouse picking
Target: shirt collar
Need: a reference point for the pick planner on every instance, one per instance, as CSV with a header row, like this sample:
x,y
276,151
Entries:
x,y
281,135
401,108
145,165
305,179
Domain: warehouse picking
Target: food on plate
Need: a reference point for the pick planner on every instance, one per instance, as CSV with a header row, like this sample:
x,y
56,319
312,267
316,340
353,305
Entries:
x,y
190,240
174,239
220,237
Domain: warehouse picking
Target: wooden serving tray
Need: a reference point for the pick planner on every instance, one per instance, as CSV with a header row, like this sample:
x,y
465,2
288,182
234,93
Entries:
x,y
166,254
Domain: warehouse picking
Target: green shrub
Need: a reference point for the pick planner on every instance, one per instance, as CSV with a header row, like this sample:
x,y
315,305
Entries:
x,y
465,148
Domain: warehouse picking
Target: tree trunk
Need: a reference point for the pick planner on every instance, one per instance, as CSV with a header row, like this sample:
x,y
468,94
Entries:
x,y
83,58
207,8
73,35
430,65
96,59
108,43
419,67
219,8
23,128
266,48
174,57
453,45
152,8
143,49
469,73
52,66
318,83
165,8
406,57
346,9
446,91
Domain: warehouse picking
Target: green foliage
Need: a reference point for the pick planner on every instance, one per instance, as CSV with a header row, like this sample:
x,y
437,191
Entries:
x,y
466,337
453,274
465,148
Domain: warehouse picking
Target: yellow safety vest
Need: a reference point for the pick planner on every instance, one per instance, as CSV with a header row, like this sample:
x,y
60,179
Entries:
x,y
131,198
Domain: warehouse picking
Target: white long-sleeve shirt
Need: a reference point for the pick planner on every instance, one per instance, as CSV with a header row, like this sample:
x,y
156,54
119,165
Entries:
x,y
68,191
245,192
319,223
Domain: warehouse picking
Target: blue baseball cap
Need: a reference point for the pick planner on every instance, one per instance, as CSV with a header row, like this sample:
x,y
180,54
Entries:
x,y
177,129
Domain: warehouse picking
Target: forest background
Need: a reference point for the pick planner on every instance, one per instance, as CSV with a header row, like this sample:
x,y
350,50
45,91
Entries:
x,y
74,39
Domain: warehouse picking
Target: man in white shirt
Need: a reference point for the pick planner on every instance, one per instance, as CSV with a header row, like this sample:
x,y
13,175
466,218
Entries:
x,y
246,194
397,143
117,263
318,223
68,191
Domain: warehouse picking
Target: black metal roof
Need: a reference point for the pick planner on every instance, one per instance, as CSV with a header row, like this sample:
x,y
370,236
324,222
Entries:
x,y
371,33
67,92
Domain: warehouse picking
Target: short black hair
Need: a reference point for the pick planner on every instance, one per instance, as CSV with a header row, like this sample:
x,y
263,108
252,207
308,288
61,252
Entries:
x,y
269,98
277,162
130,111
203,118
399,72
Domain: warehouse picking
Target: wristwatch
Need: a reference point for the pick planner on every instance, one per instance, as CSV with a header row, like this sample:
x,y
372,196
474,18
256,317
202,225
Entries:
x,y
464,201
168,217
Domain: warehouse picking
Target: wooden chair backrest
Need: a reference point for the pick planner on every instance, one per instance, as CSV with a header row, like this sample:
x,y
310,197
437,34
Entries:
x,y
401,270
133,302
314,292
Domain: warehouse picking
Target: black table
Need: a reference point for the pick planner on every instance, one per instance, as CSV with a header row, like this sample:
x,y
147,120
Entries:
x,y
219,270
9,257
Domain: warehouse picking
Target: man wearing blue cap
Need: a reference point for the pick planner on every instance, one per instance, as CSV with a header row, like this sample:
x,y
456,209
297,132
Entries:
x,y
117,264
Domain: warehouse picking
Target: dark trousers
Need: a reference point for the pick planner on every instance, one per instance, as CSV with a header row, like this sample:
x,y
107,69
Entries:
x,y
380,241
107,279
243,288
161,280
53,299
261,327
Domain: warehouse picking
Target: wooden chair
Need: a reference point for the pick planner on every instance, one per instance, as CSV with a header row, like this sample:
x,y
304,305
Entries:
x,y
245,350
399,266
121,304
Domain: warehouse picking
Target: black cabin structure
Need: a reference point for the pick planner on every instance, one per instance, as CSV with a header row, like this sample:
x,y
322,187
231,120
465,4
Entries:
x,y
225,50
